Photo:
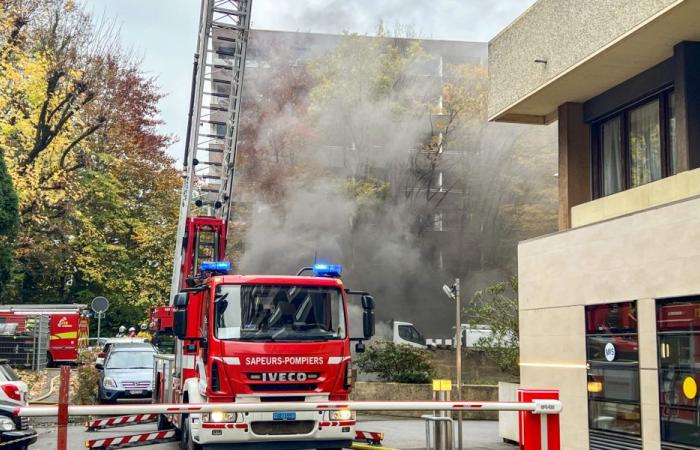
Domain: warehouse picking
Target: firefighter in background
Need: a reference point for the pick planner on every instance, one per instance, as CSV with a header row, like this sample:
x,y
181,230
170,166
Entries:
x,y
132,332
143,333
122,332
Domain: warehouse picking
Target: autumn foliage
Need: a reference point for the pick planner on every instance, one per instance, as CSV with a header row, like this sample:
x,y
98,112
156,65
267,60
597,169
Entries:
x,y
97,193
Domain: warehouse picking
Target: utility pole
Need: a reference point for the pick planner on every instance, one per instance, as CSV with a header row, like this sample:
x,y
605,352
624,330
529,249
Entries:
x,y
458,358
453,293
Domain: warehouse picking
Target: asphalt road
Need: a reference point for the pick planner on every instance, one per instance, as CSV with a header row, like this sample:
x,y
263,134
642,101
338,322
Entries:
x,y
404,434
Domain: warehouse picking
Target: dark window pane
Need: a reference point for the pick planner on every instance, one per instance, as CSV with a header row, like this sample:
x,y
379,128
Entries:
x,y
619,417
678,327
673,150
610,383
611,318
680,426
645,144
611,145
619,349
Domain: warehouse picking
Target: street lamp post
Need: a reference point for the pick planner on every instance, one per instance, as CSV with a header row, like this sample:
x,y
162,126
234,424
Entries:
x,y
453,293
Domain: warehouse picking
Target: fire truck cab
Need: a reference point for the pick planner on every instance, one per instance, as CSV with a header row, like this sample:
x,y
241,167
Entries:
x,y
250,338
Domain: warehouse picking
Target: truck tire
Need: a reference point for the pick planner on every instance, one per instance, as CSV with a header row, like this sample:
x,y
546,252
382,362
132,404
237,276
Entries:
x,y
163,423
186,442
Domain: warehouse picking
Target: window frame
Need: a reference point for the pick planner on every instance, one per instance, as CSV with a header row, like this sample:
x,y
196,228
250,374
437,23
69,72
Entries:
x,y
663,97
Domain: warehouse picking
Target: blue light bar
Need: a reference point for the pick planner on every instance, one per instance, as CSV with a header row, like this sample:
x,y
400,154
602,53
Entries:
x,y
327,270
216,266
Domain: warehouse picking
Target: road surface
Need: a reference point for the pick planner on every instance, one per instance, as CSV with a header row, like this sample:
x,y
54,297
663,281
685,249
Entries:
x,y
404,434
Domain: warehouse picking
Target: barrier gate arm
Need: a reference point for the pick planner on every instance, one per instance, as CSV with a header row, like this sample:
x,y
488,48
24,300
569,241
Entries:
x,y
544,407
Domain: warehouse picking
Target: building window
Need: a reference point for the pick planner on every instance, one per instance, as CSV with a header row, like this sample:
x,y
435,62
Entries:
x,y
678,332
613,368
636,145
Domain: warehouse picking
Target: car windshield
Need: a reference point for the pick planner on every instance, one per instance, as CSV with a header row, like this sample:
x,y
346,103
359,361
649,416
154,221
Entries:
x,y
278,313
7,373
136,359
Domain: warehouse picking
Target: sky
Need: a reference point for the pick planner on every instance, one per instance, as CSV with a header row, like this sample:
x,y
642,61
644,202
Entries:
x,y
163,33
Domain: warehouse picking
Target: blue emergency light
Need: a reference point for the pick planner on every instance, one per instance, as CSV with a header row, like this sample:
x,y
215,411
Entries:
x,y
327,270
216,266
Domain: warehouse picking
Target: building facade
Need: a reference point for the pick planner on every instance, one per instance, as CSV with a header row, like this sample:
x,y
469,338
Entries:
x,y
610,305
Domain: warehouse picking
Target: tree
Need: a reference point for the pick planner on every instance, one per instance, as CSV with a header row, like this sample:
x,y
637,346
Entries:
x,y
497,308
8,222
396,363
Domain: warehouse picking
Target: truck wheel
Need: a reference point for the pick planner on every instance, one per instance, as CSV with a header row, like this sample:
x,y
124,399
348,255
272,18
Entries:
x,y
186,443
163,423
49,361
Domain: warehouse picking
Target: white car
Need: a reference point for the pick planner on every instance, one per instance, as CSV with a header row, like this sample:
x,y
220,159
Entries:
x,y
12,390
100,360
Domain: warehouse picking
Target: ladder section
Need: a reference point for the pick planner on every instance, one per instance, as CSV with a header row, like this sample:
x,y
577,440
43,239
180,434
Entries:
x,y
212,133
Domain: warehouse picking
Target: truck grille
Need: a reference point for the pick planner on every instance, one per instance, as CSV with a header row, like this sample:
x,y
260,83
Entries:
x,y
259,387
22,423
136,384
269,428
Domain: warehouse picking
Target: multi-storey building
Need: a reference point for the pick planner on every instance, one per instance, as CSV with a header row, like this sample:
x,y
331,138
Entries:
x,y
610,305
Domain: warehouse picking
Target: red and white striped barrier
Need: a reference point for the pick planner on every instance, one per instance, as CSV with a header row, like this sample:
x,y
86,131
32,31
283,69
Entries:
x,y
370,437
535,406
120,421
132,440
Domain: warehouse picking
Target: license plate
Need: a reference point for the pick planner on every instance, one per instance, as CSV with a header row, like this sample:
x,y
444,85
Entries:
x,y
136,392
284,416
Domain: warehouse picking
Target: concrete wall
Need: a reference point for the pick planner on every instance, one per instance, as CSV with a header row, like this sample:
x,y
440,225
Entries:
x,y
562,32
667,190
476,367
644,256
399,391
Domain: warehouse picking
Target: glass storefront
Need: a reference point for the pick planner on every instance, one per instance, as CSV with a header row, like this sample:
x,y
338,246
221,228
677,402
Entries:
x,y
678,329
613,368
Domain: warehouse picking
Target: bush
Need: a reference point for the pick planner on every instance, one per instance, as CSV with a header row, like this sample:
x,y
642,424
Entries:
x,y
86,381
396,363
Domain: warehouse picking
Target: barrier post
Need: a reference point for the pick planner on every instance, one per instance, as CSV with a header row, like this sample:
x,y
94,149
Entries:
x,y
63,391
537,429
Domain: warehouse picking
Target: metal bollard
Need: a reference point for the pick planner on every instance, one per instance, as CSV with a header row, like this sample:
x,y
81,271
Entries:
x,y
444,424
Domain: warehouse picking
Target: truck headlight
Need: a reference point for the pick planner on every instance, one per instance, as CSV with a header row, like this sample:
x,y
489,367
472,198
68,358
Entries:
x,y
219,417
6,424
342,414
109,383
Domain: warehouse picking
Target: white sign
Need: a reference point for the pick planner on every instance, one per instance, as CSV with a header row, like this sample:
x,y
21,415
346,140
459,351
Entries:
x,y
610,351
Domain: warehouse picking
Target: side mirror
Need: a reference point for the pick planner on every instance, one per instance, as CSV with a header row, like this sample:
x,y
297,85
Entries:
x,y
368,323
180,319
99,366
360,347
368,302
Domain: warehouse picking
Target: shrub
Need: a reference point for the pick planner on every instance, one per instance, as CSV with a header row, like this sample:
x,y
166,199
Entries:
x,y
396,363
85,381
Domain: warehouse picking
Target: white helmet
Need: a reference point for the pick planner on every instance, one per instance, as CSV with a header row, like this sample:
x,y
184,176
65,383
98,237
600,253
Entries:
x,y
132,329
144,326
122,329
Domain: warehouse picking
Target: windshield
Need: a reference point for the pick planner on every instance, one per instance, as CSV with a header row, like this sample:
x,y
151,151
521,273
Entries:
x,y
278,313
130,360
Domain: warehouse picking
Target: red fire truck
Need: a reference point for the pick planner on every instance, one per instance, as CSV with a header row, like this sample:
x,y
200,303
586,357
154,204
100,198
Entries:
x,y
250,338
68,327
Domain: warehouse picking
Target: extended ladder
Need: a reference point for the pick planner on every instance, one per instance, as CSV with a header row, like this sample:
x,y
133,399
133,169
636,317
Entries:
x,y
215,105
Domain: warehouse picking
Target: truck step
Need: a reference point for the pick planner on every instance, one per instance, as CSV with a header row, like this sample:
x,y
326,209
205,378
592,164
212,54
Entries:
x,y
133,440
120,421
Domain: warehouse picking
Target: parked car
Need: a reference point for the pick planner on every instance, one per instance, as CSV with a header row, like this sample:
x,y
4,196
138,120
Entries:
x,y
108,343
127,373
13,392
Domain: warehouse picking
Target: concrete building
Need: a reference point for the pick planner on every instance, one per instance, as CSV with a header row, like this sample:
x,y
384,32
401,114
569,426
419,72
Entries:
x,y
610,305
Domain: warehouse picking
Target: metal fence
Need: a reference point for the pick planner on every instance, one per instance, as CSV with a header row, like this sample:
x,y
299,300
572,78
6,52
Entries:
x,y
24,341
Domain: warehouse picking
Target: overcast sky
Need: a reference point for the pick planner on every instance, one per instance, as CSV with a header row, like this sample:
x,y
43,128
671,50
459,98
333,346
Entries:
x,y
164,32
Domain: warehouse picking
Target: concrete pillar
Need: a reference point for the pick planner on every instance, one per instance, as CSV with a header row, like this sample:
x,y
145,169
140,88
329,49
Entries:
x,y
574,161
648,374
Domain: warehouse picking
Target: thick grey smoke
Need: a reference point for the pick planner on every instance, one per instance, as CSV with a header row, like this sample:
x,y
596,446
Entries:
x,y
360,143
